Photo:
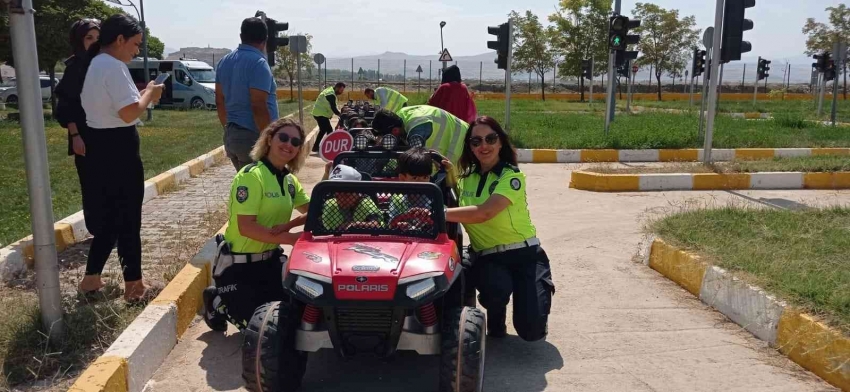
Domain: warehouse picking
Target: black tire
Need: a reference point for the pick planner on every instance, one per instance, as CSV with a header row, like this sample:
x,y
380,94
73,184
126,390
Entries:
x,y
270,362
462,350
12,99
197,103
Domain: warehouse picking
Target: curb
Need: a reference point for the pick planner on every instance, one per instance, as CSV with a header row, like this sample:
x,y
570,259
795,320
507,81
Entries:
x,y
18,256
813,345
130,362
599,182
667,155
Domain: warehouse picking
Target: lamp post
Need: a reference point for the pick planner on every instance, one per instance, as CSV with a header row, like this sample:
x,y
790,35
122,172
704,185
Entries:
x,y
442,24
141,15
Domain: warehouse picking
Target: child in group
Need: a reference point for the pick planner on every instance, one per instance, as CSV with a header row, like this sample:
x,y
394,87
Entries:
x,y
348,209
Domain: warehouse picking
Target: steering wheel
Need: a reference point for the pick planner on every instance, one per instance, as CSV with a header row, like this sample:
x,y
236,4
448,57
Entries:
x,y
413,219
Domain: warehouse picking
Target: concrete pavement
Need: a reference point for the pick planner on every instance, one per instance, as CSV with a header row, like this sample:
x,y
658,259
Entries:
x,y
615,324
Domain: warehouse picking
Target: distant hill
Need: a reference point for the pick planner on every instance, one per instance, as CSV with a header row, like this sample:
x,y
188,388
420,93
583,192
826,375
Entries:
x,y
210,56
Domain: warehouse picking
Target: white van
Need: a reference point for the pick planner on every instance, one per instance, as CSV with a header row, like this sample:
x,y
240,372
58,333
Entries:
x,y
191,85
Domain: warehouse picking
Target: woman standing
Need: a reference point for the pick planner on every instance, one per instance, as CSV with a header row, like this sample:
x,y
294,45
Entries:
x,y
453,96
262,198
506,254
113,165
69,110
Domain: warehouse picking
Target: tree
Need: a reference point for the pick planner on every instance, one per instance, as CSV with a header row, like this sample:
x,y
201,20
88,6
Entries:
x,y
665,38
155,46
821,37
53,18
287,64
532,50
581,32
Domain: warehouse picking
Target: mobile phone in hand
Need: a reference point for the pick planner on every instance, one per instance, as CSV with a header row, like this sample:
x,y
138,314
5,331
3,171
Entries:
x,y
161,78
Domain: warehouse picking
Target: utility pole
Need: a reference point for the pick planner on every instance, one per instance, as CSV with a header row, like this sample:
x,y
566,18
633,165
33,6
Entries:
x,y
22,29
609,112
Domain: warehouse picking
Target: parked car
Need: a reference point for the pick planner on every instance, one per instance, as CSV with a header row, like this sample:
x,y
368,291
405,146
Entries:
x,y
9,90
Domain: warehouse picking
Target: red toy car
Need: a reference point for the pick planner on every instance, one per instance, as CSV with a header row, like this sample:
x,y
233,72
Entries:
x,y
393,283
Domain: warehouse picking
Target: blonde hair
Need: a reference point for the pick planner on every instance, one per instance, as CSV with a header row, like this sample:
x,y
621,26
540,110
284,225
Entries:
x,y
261,147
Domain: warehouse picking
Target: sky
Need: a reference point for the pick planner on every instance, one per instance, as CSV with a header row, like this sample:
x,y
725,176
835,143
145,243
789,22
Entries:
x,y
363,27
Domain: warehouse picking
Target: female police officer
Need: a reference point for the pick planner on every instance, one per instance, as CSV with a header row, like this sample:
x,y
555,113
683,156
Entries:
x,y
264,193
507,257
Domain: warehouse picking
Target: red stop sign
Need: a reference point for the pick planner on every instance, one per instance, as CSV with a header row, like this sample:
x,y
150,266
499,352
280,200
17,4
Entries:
x,y
335,143
634,68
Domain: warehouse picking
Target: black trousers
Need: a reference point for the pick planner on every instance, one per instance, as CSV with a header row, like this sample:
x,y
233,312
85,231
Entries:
x,y
324,129
523,273
244,287
115,179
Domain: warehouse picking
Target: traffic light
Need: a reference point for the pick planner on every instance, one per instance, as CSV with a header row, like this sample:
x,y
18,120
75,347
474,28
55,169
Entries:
x,y
619,38
763,67
822,61
829,70
273,41
586,69
698,63
734,25
501,44
624,69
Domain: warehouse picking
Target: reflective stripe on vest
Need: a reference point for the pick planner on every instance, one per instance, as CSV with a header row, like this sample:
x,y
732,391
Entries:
x,y
322,108
390,99
442,122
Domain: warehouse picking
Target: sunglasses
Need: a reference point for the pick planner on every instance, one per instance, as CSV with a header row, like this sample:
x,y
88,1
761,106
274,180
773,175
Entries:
x,y
491,139
294,141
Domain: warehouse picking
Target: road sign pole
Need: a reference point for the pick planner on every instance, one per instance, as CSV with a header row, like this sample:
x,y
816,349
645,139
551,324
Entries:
x,y
22,34
712,90
508,74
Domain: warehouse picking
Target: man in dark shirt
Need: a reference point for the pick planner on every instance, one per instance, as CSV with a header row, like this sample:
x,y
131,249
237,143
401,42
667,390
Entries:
x,y
245,93
324,109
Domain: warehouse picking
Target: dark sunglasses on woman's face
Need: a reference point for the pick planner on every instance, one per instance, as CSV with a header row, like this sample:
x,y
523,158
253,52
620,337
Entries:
x,y
284,138
491,139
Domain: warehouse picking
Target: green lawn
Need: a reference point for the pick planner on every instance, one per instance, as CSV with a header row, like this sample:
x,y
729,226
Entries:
x,y
172,138
804,108
799,255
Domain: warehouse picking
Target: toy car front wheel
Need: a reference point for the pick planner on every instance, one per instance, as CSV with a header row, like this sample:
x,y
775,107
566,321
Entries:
x,y
462,350
270,362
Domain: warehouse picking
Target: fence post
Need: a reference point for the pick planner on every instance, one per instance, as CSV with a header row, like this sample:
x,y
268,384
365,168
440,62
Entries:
x,y
379,72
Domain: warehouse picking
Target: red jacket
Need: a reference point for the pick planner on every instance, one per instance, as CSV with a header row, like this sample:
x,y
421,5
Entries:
x,y
455,98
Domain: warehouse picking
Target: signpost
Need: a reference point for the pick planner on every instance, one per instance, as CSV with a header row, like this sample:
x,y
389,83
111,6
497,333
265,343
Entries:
x,y
297,46
334,144
320,59
445,57
840,50
631,81
419,79
707,40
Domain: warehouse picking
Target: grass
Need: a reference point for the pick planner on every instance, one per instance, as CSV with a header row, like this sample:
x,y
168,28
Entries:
x,y
172,138
820,163
805,108
799,255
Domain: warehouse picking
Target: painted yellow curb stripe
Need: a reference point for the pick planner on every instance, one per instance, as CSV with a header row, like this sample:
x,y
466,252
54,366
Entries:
x,y
164,182
831,151
64,237
219,154
754,153
196,167
544,156
713,181
815,346
600,156
685,155
107,374
604,182
679,266
185,291
839,180
752,115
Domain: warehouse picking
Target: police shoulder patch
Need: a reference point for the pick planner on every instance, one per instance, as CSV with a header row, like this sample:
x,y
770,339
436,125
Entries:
x,y
241,193
493,186
291,189
516,184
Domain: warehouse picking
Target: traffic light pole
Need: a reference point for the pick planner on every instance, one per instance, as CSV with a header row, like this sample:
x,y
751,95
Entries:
x,y
609,113
755,90
629,93
22,29
702,98
821,94
508,75
691,92
839,49
712,90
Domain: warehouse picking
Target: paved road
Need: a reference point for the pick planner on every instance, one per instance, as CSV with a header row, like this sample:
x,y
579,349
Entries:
x,y
616,325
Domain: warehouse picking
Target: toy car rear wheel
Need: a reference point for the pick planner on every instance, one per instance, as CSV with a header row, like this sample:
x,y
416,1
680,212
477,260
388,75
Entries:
x,y
270,362
462,350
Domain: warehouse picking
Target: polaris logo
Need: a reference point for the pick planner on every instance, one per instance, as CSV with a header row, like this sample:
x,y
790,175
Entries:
x,y
361,279
365,268
363,288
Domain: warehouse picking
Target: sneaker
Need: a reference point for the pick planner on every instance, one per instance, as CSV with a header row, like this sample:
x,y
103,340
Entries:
x,y
214,320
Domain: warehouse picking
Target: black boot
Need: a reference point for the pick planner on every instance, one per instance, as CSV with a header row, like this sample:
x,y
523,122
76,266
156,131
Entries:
x,y
496,323
212,317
